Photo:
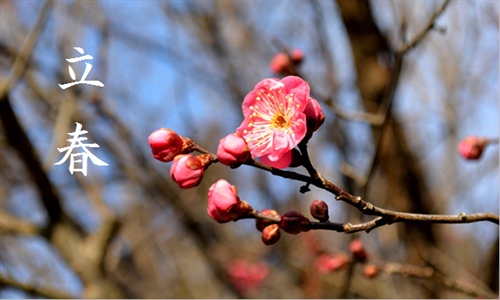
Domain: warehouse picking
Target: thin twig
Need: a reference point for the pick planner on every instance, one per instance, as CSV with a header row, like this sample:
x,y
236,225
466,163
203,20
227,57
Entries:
x,y
22,58
429,273
430,25
361,116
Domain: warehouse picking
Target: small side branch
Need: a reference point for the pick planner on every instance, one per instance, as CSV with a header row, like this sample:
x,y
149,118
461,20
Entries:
x,y
34,289
429,273
21,60
430,25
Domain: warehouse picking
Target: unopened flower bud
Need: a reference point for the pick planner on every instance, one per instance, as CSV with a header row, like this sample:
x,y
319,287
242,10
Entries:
x,y
279,63
187,170
472,147
314,116
271,234
297,56
319,210
233,150
165,144
371,271
263,223
327,263
224,205
294,222
358,250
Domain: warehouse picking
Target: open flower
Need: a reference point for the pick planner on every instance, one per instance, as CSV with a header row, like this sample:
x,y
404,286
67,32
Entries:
x,y
274,119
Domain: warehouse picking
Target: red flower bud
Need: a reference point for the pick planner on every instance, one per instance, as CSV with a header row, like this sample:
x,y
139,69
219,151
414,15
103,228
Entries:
x,y
472,147
233,150
294,222
314,116
358,250
297,56
224,205
165,144
271,234
319,210
187,170
262,223
327,263
371,271
279,63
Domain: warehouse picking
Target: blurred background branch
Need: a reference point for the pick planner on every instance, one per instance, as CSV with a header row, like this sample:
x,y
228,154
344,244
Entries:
x,y
393,123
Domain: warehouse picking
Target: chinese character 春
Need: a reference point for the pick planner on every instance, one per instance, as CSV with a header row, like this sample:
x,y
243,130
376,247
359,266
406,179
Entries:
x,y
76,142
88,67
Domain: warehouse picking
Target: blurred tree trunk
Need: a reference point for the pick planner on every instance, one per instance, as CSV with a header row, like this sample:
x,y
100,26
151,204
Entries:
x,y
403,177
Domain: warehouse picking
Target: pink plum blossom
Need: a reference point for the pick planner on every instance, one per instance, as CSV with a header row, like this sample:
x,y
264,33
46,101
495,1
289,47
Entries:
x,y
233,150
187,170
274,119
224,205
165,144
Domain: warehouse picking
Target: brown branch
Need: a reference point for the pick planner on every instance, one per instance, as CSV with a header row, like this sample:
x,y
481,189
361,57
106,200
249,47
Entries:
x,y
13,224
98,243
387,216
35,289
18,139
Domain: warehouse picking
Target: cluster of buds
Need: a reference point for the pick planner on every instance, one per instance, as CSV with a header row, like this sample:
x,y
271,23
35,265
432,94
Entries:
x,y
327,263
187,170
284,63
272,128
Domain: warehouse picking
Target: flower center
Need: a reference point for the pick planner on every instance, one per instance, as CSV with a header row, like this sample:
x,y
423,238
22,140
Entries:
x,y
279,121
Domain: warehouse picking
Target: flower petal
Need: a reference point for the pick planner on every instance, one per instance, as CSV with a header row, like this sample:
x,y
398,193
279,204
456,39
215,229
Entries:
x,y
279,162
